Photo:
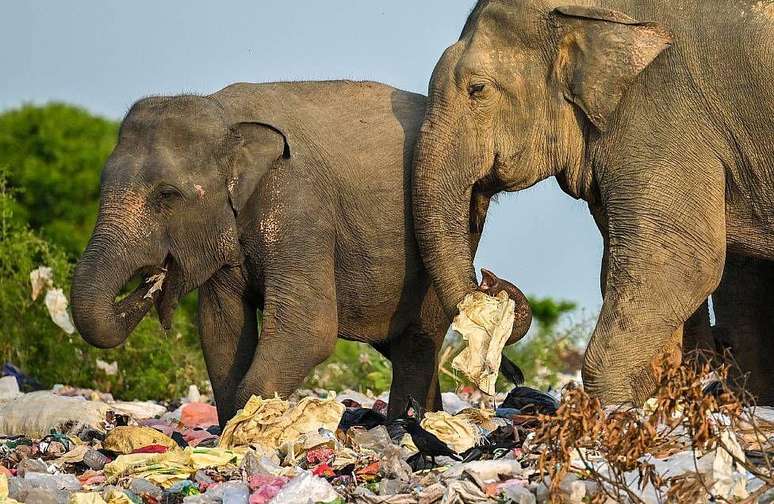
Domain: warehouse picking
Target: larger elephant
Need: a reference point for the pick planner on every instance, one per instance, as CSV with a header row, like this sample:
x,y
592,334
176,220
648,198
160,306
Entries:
x,y
656,113
288,198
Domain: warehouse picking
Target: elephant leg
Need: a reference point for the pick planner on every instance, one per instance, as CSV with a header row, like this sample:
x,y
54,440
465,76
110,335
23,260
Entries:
x,y
414,356
300,321
228,330
744,312
666,248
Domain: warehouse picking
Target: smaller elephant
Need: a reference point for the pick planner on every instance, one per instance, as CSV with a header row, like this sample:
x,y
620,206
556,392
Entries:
x,y
288,198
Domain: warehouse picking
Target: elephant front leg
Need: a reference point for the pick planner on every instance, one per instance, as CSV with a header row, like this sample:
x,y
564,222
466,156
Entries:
x,y
229,331
300,322
666,249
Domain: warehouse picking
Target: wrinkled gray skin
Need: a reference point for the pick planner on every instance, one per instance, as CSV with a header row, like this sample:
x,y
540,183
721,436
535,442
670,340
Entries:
x,y
657,113
291,198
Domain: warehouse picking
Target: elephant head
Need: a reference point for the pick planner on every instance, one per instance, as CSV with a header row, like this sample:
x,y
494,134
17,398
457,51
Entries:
x,y
510,104
170,194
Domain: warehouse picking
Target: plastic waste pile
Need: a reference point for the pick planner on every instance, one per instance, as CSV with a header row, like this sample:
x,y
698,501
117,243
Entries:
x,y
79,446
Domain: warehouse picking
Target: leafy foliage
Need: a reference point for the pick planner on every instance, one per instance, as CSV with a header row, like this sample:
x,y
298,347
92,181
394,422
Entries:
x,y
354,366
54,155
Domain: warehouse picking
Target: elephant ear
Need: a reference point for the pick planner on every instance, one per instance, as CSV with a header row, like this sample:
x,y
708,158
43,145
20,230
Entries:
x,y
254,146
600,54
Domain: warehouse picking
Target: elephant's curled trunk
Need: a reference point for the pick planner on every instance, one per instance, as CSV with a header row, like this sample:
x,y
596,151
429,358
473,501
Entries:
x,y
97,281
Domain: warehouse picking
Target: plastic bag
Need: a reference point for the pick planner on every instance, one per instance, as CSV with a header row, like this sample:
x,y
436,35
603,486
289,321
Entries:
x,y
37,413
272,422
4,499
305,489
56,302
484,322
41,278
9,388
196,414
127,439
458,432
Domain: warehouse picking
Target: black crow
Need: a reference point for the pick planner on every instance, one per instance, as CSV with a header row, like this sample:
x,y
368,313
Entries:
x,y
426,442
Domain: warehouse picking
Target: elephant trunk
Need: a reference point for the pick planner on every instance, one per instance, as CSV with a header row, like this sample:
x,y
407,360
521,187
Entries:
x,y
441,202
104,268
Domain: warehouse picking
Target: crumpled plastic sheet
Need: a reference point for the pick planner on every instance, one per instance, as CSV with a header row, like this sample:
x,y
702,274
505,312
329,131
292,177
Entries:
x,y
128,439
4,499
305,489
9,388
56,302
484,322
456,431
109,368
483,472
166,469
41,278
272,422
37,413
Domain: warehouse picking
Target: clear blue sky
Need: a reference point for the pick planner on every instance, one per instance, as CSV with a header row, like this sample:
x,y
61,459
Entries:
x,y
104,55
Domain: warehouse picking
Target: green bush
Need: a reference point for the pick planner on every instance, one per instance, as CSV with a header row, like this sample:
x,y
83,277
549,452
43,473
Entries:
x,y
54,155
355,366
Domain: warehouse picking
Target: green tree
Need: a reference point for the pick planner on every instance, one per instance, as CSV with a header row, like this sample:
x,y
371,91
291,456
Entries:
x,y
54,154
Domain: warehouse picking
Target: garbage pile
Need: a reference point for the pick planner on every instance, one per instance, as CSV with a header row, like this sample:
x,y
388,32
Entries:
x,y
80,446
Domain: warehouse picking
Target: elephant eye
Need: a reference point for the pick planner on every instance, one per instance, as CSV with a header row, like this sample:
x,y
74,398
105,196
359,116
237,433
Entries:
x,y
168,193
475,90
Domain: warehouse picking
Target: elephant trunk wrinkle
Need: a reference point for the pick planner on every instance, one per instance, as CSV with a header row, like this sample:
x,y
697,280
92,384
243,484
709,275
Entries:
x,y
442,213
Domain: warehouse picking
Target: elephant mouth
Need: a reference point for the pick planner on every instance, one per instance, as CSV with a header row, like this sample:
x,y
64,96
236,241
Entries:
x,y
160,285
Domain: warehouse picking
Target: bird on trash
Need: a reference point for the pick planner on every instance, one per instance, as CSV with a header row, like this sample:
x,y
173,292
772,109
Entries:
x,y
426,442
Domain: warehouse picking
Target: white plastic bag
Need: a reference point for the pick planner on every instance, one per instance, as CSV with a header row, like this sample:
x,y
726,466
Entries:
x,y
484,322
56,302
305,489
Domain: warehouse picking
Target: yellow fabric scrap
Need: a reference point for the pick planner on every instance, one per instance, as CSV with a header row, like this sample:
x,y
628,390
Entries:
x,y
127,439
4,499
86,498
166,469
272,422
459,432
484,322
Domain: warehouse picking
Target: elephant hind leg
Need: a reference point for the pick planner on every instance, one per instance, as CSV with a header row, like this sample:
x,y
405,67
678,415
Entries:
x,y
744,311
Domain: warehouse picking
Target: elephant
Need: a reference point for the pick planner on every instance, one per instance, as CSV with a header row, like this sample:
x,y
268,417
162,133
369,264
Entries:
x,y
292,199
657,114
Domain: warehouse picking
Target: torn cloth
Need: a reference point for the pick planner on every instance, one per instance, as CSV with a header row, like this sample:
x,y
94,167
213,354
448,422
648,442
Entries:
x,y
484,322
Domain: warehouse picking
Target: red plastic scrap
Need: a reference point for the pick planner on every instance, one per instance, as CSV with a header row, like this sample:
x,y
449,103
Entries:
x,y
154,448
323,471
